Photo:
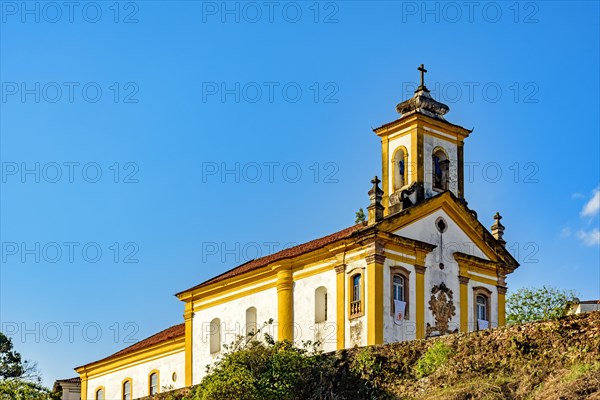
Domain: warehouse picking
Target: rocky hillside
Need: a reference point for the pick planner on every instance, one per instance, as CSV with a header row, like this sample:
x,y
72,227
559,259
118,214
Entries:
x,y
545,360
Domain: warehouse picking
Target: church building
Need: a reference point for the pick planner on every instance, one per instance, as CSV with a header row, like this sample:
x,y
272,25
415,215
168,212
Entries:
x,y
420,266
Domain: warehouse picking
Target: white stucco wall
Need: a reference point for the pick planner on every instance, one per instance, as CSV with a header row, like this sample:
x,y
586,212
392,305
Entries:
x,y
139,374
233,321
305,327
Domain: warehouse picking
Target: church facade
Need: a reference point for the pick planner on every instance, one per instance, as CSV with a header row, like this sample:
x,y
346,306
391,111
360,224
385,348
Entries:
x,y
422,265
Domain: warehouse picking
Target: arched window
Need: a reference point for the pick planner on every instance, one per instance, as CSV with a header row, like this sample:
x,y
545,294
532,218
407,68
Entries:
x,y
99,394
251,326
356,296
482,307
215,335
399,289
321,304
153,383
400,170
126,387
440,169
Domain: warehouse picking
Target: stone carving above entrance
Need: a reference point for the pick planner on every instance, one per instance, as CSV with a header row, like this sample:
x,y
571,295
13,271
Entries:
x,y
442,307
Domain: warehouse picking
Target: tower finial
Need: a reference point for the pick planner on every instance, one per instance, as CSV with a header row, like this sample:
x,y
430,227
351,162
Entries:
x,y
375,208
498,229
422,85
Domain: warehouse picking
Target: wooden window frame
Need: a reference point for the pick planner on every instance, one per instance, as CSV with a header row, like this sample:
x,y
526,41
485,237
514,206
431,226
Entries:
x,y
405,274
130,388
361,309
157,372
487,294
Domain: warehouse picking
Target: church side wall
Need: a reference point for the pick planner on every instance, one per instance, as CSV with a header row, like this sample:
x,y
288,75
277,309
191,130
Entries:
x,y
139,374
305,327
232,315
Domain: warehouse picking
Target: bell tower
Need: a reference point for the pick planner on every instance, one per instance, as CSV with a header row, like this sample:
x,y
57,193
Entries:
x,y
422,153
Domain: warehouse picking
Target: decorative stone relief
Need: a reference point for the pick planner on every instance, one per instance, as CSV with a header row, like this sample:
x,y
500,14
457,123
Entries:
x,y
441,305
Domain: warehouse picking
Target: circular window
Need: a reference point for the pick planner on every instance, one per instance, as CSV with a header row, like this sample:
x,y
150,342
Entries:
x,y
174,376
441,225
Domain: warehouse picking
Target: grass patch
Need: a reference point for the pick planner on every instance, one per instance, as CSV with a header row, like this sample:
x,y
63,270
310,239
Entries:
x,y
436,356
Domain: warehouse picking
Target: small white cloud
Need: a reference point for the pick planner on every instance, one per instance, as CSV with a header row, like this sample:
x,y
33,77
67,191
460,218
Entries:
x,y
590,238
565,232
592,207
577,196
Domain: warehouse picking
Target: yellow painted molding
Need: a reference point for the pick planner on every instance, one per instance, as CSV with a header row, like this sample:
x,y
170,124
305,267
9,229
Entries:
x,y
375,299
189,344
464,303
501,307
420,301
340,306
97,390
84,385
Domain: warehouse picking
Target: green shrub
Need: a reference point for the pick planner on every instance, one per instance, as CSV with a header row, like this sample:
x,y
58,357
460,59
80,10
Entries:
x,y
436,356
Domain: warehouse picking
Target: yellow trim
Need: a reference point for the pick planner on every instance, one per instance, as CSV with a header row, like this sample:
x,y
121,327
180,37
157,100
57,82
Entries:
x,y
130,388
480,279
103,391
404,151
84,386
160,350
306,274
189,341
236,296
464,306
374,301
157,372
501,309
340,314
420,302
385,175
285,304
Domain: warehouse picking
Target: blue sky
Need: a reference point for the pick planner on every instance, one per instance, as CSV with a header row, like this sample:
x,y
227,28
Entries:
x,y
149,146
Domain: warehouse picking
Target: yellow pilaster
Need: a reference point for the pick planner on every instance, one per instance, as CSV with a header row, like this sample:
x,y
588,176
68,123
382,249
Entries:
x,y
285,305
501,305
340,306
84,385
385,173
375,298
420,301
420,294
464,303
189,337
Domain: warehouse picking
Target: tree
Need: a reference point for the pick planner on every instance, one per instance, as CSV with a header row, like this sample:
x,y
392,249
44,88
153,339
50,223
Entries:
x,y
535,304
360,216
19,380
11,365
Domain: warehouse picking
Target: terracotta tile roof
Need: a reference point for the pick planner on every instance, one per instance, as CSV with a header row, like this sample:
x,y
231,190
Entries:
x,y
281,255
168,334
